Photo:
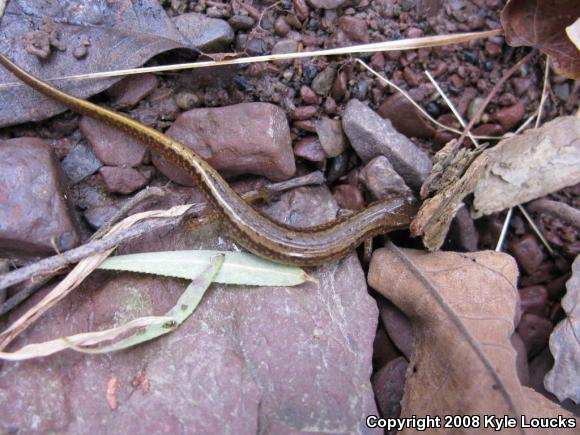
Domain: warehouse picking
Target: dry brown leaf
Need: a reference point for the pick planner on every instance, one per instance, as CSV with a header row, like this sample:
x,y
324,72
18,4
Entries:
x,y
120,35
542,24
531,165
452,182
463,310
562,380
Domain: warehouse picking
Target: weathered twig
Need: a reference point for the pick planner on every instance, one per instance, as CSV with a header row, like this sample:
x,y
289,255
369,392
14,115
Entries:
x,y
54,263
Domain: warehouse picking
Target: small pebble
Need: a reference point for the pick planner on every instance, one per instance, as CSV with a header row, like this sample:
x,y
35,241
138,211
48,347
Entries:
x,y
187,100
528,253
241,22
324,80
303,112
281,26
80,52
310,149
535,332
308,95
509,117
534,300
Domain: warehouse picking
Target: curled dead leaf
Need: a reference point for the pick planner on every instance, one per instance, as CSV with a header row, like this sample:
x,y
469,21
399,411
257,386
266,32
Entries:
x,y
562,380
463,308
542,24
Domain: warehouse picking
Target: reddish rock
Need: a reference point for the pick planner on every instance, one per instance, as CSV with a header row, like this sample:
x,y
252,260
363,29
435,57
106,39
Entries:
x,y
349,197
528,253
488,130
384,349
535,332
247,355
303,112
301,8
355,28
129,91
507,99
122,180
281,26
557,287
308,95
372,136
382,181
34,215
389,385
492,49
331,136
405,117
441,138
543,273
398,327
339,86
248,138
309,148
378,61
534,300
307,125
111,146
510,116
330,105
414,32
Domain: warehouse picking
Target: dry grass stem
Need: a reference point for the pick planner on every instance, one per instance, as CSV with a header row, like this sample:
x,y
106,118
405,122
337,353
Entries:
x,y
403,44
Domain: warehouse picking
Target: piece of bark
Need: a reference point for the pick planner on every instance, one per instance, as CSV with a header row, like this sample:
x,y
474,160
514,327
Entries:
x,y
531,165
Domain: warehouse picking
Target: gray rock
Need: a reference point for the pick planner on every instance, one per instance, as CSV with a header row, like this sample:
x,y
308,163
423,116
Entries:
x,y
249,360
331,136
34,213
372,136
80,162
284,46
210,35
382,181
241,22
323,81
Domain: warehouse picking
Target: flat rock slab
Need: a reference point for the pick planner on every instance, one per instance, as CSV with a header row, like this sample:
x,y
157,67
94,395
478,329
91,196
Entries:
x,y
372,136
247,138
249,360
34,215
